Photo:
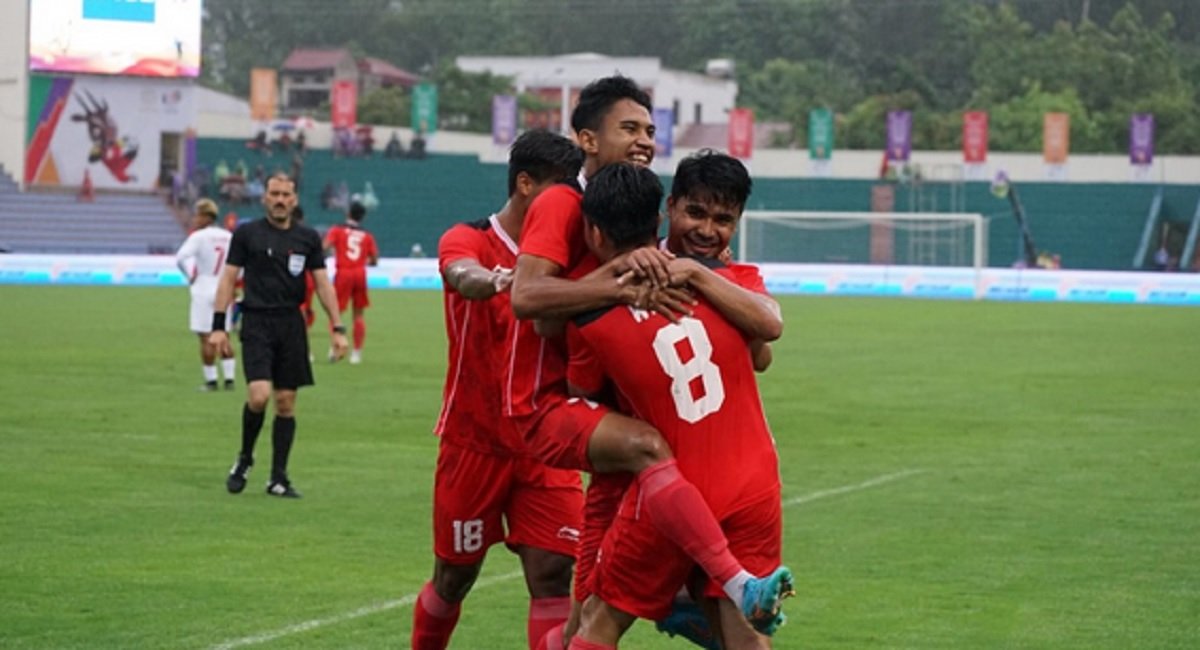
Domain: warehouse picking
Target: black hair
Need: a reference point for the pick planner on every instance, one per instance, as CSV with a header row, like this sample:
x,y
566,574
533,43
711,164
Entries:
x,y
712,175
358,211
622,200
544,156
598,97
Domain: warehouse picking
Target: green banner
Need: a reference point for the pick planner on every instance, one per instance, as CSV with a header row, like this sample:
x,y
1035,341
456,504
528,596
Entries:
x,y
820,134
424,108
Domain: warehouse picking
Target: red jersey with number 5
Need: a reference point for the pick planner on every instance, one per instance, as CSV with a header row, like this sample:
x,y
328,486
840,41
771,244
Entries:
x,y
694,382
352,245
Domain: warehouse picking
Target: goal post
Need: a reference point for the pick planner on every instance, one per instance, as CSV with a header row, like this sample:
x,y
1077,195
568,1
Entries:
x,y
940,239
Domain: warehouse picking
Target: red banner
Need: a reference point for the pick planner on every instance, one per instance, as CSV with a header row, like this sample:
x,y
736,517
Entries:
x,y
1056,138
975,137
343,104
741,133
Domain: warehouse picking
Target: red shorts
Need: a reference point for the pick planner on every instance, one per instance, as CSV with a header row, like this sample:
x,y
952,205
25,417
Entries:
x,y
351,284
475,495
639,571
558,434
603,500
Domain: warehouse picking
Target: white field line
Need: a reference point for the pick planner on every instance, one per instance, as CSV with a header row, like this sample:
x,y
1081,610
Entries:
x,y
412,598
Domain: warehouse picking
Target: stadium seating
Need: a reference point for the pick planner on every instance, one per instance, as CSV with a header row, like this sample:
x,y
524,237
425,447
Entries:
x,y
41,222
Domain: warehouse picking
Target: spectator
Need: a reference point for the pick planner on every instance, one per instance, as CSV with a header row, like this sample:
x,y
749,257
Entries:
x,y
417,149
301,145
393,149
328,196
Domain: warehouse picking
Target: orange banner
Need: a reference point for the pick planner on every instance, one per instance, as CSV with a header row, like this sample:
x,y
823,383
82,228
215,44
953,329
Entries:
x,y
263,94
1056,138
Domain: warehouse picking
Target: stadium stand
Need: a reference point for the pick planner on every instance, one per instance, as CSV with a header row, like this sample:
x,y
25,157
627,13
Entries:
x,y
36,222
418,199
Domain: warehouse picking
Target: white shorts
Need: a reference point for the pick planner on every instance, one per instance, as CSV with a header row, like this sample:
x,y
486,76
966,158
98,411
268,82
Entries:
x,y
202,313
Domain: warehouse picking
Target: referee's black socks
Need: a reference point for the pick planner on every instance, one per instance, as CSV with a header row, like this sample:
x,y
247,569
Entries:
x,y
283,432
251,425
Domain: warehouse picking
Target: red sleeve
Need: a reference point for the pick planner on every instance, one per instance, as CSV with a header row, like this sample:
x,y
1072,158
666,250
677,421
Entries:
x,y
372,246
584,369
747,277
460,242
554,226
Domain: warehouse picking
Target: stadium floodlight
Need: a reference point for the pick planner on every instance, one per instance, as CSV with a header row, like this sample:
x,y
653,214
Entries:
x,y
937,239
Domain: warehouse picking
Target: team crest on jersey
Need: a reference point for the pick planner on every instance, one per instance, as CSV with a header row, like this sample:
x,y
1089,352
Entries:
x,y
295,264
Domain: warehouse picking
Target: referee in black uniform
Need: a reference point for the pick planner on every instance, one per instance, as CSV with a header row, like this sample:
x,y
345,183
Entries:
x,y
274,253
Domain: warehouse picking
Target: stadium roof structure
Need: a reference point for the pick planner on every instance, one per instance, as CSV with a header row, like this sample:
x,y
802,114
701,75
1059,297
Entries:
x,y
315,59
387,72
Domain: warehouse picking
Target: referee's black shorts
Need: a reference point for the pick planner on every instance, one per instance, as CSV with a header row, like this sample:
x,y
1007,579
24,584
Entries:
x,y
275,348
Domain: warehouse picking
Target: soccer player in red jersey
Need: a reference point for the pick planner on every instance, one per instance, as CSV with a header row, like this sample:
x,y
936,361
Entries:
x,y
486,479
699,390
355,248
612,124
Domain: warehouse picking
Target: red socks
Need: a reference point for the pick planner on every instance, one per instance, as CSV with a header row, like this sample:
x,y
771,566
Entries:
x,y
677,510
547,616
360,332
433,620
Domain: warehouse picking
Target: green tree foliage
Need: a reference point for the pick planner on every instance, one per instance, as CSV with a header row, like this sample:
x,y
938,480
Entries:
x,y
390,106
1099,60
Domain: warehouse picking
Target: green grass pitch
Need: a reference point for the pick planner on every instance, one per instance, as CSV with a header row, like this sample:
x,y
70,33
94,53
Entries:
x,y
957,475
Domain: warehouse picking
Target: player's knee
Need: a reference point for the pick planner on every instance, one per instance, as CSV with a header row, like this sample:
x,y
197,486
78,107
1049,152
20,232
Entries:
x,y
453,583
549,576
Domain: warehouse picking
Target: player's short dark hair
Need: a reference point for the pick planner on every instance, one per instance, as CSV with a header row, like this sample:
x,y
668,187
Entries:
x,y
712,175
358,211
598,97
622,200
543,156
281,176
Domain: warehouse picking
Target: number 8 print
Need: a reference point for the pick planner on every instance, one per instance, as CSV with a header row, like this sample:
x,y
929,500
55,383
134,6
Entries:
x,y
682,374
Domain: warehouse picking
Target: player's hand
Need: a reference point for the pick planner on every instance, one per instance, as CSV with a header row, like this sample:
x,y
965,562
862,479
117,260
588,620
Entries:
x,y
646,262
219,340
726,256
502,279
673,303
339,345
682,270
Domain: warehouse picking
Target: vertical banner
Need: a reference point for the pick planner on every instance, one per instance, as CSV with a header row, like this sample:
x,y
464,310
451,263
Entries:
x,y
899,136
975,137
504,119
820,134
741,133
344,104
1056,138
424,108
263,94
1141,138
664,130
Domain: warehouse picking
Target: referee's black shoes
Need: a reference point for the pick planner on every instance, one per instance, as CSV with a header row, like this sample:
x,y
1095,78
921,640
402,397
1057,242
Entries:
x,y
237,475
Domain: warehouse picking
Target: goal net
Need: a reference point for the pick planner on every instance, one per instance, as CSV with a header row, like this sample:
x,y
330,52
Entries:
x,y
874,238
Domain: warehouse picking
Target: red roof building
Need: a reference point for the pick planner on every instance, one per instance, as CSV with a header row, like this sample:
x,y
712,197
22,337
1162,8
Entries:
x,y
307,76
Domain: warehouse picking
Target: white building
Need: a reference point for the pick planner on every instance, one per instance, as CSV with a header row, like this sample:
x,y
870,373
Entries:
x,y
694,98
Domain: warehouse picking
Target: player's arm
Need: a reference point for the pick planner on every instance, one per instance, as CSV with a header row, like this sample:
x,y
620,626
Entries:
x,y
373,255
473,282
756,315
186,253
538,292
328,300
219,338
328,246
760,355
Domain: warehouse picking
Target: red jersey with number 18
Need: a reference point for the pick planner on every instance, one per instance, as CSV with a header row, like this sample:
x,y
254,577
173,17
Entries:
x,y
694,382
478,335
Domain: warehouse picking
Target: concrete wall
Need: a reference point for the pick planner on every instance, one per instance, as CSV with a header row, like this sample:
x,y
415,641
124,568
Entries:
x,y
14,85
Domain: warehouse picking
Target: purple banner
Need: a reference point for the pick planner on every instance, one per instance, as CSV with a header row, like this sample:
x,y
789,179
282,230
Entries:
x,y
899,136
1141,138
664,127
504,119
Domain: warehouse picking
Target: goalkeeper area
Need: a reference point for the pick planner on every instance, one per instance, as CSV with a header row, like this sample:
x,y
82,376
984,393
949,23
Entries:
x,y
941,239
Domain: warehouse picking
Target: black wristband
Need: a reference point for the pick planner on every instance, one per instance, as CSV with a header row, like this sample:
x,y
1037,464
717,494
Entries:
x,y
339,329
218,324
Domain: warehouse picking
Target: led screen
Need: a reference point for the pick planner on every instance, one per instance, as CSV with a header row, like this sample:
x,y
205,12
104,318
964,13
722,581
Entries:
x,y
148,38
